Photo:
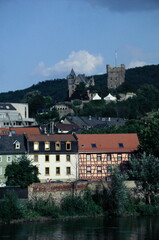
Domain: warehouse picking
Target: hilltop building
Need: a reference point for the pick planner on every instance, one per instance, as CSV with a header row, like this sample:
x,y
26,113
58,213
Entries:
x,y
116,76
74,80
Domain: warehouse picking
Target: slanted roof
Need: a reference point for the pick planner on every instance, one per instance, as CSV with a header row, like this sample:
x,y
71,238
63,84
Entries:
x,y
20,130
66,127
7,144
6,107
72,74
96,97
53,137
109,143
109,97
95,122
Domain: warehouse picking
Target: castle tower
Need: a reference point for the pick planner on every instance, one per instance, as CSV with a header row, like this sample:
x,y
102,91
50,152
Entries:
x,y
73,81
116,76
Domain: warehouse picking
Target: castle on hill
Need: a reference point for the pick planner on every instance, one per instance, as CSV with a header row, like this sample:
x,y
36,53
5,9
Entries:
x,y
73,80
115,77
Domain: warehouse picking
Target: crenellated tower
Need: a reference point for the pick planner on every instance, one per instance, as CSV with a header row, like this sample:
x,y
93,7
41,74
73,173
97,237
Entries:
x,y
115,76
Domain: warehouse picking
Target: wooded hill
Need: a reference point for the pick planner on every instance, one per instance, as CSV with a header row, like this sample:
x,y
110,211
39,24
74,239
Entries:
x,y
57,88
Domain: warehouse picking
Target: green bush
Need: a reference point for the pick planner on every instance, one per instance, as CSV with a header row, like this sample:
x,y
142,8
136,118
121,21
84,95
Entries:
x,y
11,207
147,210
45,208
77,205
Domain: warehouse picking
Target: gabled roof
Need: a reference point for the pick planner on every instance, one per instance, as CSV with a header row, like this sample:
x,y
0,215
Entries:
x,y
53,137
109,143
7,144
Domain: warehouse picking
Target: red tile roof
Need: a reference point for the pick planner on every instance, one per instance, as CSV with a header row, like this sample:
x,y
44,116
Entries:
x,y
53,137
20,130
107,143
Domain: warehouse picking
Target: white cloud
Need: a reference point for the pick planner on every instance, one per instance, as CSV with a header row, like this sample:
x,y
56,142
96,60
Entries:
x,y
137,63
81,61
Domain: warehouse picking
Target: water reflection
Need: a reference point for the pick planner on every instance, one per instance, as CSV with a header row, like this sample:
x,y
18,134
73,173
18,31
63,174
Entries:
x,y
130,228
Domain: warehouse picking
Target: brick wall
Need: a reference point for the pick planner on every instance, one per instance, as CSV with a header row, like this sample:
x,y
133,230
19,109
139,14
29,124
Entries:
x,y
57,191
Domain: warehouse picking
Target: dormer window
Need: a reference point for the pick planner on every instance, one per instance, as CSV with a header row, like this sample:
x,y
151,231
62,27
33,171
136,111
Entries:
x,y
57,146
17,145
47,146
36,146
68,145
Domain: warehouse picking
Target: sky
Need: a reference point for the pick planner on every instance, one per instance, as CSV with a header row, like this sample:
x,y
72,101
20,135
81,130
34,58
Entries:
x,y
44,39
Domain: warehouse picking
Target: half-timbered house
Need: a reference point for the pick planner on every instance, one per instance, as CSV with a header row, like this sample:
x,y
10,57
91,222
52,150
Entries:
x,y
99,153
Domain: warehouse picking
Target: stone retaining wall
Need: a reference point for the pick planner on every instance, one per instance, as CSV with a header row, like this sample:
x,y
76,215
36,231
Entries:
x,y
57,191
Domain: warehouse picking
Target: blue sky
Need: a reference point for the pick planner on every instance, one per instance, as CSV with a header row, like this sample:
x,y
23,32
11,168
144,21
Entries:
x,y
43,39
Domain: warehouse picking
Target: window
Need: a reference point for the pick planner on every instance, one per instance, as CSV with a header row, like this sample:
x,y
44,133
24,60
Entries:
x,y
47,158
9,158
88,157
121,145
119,157
17,145
57,146
68,145
0,158
99,169
35,158
57,158
109,169
99,157
47,171
36,146
93,145
47,146
108,157
68,158
89,169
57,170
0,170
68,170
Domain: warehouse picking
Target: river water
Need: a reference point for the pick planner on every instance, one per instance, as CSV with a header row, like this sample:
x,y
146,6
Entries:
x,y
127,228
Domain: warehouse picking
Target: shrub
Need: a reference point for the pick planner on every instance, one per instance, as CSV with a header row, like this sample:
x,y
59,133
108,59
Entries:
x,y
45,208
77,205
11,207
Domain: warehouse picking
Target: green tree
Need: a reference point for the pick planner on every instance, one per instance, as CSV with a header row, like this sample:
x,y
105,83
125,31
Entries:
x,y
36,102
117,194
80,92
47,117
149,138
145,171
21,172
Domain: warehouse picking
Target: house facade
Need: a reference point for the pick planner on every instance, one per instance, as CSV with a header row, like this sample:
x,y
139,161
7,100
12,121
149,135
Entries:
x,y
56,156
11,148
100,153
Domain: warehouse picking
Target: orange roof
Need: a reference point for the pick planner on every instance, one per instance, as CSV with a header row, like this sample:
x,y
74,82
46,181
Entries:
x,y
92,143
20,130
53,137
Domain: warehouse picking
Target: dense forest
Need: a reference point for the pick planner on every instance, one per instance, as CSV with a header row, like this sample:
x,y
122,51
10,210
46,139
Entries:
x,y
57,89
